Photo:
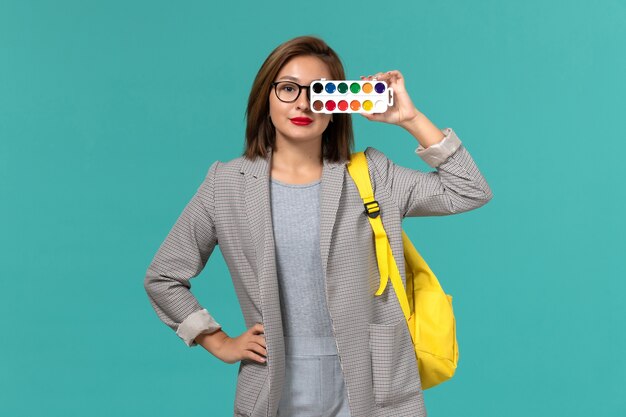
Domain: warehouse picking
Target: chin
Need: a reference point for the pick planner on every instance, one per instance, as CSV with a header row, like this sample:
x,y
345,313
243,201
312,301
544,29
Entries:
x,y
300,131
302,137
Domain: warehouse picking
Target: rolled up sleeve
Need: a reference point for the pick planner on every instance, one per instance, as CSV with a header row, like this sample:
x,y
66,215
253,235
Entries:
x,y
436,154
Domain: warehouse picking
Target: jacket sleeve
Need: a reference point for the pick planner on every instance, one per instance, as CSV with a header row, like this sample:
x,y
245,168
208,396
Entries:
x,y
456,186
182,256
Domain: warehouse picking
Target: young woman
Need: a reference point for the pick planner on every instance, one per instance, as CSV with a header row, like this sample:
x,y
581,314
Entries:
x,y
300,250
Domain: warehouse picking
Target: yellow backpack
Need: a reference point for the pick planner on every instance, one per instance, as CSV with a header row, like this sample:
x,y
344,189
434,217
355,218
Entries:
x,y
427,309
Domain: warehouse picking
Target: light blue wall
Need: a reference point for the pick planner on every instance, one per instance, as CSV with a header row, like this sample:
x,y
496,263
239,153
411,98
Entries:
x,y
111,113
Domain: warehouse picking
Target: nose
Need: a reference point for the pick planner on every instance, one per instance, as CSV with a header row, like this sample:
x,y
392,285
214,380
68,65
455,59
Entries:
x,y
303,101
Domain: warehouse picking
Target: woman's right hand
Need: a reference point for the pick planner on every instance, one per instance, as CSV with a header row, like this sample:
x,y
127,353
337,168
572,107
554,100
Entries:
x,y
249,345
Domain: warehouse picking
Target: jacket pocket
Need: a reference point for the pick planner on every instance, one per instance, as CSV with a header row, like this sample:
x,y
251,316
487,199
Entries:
x,y
395,375
250,380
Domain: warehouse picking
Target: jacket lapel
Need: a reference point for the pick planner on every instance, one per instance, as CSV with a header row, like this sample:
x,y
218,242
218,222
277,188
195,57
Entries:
x,y
258,212
257,174
331,189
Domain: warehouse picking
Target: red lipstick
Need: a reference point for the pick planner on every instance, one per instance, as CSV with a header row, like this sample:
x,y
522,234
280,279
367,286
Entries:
x,y
301,121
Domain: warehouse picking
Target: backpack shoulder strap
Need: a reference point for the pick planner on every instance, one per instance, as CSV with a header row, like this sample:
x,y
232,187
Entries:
x,y
357,167
360,174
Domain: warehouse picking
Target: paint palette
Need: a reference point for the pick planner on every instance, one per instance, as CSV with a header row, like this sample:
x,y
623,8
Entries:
x,y
350,96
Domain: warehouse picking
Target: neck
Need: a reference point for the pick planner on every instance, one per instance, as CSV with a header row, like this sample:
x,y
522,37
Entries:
x,y
297,157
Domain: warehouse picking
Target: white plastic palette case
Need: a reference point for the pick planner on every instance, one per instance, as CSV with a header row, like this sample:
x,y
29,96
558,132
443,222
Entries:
x,y
350,96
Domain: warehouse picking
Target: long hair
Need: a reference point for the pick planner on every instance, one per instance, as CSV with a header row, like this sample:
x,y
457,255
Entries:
x,y
337,139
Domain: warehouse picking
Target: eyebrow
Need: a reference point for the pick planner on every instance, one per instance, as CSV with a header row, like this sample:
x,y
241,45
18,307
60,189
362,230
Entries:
x,y
289,77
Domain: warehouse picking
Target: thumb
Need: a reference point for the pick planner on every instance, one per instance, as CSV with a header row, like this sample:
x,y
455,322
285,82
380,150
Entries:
x,y
371,116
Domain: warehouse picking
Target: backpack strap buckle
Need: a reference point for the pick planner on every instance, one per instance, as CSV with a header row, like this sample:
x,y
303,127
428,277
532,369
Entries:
x,y
372,209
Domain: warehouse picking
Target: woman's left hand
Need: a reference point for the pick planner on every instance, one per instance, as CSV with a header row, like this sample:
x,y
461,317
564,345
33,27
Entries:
x,y
403,109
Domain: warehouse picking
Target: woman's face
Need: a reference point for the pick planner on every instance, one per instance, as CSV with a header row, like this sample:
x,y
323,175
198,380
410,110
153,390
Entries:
x,y
301,70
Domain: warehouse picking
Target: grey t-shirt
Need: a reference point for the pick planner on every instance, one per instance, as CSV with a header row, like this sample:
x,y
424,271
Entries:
x,y
296,222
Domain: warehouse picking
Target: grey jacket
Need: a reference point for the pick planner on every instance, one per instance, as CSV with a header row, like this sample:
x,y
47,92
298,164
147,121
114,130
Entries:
x,y
231,207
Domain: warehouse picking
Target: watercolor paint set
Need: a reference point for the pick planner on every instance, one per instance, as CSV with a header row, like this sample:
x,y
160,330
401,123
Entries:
x,y
350,96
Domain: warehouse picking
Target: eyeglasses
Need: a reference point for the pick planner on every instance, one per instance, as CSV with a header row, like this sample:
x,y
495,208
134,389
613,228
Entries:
x,y
288,91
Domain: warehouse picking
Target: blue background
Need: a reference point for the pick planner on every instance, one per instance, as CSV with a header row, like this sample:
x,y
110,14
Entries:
x,y
111,113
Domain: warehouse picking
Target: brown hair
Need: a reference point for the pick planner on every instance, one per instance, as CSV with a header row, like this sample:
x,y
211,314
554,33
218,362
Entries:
x,y
337,139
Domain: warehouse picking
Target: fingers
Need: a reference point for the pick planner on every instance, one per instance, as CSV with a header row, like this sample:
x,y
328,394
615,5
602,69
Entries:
x,y
260,340
256,348
385,76
393,79
257,328
255,356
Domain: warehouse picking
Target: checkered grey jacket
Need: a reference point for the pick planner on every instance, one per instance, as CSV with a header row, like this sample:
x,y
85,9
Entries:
x,y
232,208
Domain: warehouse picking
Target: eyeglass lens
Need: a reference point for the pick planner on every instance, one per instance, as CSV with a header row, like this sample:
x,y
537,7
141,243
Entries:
x,y
288,91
